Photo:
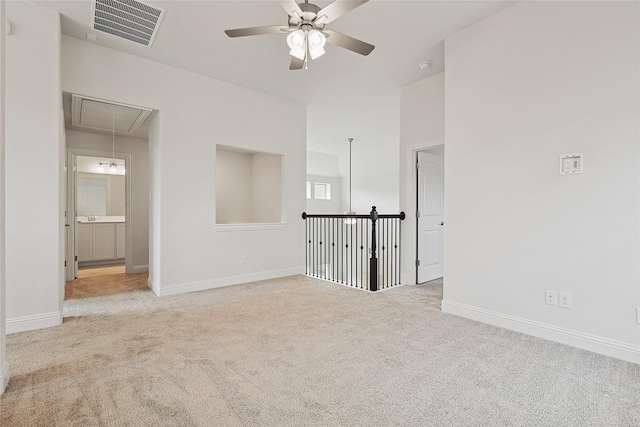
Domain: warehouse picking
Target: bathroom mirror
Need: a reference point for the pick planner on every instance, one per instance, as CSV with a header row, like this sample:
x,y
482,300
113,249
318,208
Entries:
x,y
99,194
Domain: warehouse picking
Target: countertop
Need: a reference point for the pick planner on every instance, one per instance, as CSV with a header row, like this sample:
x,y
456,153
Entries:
x,y
99,219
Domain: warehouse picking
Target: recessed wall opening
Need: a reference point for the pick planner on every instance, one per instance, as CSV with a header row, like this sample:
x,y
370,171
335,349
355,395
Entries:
x,y
248,186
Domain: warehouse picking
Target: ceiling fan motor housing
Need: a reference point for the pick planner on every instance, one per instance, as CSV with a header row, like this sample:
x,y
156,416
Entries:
x,y
309,14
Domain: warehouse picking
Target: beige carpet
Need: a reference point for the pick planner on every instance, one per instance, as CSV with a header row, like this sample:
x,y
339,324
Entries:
x,y
299,351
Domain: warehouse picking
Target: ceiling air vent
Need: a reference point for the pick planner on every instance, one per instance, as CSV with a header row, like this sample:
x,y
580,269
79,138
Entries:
x,y
128,19
103,115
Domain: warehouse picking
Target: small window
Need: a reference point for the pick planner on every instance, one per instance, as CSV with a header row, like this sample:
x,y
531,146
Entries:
x,y
308,189
321,191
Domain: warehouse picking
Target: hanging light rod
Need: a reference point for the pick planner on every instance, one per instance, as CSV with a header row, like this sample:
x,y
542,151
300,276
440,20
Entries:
x,y
350,221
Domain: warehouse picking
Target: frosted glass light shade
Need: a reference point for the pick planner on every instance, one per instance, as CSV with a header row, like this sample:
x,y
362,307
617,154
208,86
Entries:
x,y
295,39
298,53
317,41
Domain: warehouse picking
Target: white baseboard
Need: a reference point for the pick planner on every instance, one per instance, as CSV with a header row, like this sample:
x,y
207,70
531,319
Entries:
x,y
226,281
4,376
619,350
36,321
140,268
151,285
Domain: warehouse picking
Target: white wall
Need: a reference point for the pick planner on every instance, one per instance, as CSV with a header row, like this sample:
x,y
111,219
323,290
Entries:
x,y
325,167
266,188
333,206
248,187
323,164
421,126
233,187
138,171
34,169
196,113
4,365
373,120
531,83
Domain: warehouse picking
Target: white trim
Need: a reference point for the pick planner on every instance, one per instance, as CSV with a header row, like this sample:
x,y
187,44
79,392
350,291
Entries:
x,y
155,289
128,259
4,377
251,227
202,285
36,321
140,269
596,344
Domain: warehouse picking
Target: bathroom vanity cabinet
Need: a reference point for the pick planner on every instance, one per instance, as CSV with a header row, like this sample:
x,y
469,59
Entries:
x,y
100,242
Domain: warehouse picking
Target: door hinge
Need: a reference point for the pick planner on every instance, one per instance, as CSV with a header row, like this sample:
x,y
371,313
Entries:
x,y
75,258
65,263
417,214
417,165
417,263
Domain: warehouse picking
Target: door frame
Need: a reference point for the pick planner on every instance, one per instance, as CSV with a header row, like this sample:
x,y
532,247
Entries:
x,y
71,205
417,202
408,204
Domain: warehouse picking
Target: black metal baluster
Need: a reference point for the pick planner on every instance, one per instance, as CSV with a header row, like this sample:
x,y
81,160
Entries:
x,y
381,263
306,243
367,256
355,249
398,249
361,275
324,248
315,247
387,227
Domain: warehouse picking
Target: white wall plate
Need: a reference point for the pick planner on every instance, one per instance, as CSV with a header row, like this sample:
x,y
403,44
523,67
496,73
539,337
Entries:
x,y
571,164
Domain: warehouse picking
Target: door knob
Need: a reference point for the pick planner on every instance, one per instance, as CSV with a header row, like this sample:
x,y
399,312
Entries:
x,y
442,223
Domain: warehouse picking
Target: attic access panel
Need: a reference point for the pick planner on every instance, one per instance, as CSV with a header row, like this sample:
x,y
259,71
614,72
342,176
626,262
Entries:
x,y
131,20
91,113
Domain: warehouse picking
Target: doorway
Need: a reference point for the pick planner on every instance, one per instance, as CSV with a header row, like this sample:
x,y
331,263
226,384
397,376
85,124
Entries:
x,y
429,214
107,158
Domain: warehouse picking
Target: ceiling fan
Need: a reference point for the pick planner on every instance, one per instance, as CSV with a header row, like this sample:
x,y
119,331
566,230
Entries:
x,y
306,33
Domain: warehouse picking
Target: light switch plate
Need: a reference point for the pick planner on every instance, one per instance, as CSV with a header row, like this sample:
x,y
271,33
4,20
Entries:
x,y
571,164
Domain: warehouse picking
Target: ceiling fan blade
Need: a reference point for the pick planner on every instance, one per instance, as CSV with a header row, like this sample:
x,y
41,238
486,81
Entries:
x,y
296,64
256,31
292,8
338,8
348,42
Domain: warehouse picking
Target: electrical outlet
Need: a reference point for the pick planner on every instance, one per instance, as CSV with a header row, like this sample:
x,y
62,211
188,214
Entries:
x,y
551,297
245,259
564,300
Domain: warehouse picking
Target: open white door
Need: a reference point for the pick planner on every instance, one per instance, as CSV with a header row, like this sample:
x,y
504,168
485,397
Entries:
x,y
430,219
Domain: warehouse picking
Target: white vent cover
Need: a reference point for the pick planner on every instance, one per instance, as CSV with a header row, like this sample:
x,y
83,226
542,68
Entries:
x,y
128,19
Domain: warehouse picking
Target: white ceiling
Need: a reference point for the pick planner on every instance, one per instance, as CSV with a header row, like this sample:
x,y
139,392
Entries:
x,y
192,37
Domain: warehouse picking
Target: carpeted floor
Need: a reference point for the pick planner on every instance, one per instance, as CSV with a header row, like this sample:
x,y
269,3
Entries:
x,y
298,351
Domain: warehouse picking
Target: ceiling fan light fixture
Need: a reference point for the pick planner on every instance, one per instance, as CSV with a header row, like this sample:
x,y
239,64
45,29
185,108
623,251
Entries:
x,y
316,52
316,40
296,39
298,53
